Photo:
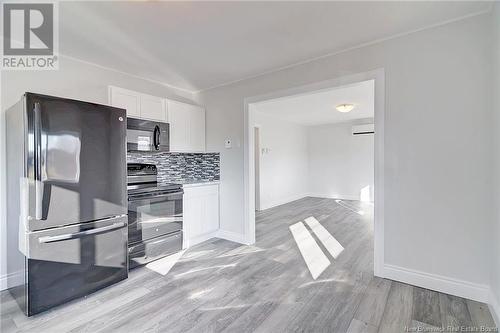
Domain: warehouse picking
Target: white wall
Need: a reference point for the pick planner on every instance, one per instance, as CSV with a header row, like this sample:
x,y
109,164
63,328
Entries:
x,y
74,79
284,167
495,241
340,164
438,143
324,160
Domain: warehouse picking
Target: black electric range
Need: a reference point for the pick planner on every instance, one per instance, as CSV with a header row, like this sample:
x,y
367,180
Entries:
x,y
155,215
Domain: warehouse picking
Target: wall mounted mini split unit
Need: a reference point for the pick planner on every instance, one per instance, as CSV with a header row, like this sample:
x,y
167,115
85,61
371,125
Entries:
x,y
365,129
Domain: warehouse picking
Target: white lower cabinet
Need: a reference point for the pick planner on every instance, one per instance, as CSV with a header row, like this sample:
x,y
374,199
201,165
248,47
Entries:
x,y
201,213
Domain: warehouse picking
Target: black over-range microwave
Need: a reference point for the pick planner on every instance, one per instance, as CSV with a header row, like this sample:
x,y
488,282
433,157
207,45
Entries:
x,y
147,135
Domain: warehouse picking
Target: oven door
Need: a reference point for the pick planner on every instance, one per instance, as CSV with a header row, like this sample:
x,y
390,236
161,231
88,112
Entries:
x,y
154,214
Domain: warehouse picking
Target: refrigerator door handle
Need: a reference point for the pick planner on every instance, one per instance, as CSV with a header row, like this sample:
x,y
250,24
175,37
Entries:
x,y
51,239
38,161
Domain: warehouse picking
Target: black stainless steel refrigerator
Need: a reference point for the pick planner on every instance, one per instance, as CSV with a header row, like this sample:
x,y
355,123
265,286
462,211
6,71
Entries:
x,y
66,199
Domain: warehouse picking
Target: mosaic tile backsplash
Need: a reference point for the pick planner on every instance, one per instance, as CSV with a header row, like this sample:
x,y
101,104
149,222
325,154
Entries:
x,y
179,167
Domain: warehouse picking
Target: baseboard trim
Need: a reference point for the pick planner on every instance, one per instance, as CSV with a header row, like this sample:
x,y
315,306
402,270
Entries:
x,y
304,195
494,307
11,280
232,236
456,287
280,202
340,196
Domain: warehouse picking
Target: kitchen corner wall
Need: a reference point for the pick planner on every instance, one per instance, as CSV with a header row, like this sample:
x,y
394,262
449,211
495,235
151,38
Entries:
x,y
74,79
178,167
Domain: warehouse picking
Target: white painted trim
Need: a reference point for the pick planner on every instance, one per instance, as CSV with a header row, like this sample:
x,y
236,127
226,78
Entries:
x,y
474,291
11,280
249,173
494,307
200,239
164,84
280,202
379,196
232,236
3,194
258,202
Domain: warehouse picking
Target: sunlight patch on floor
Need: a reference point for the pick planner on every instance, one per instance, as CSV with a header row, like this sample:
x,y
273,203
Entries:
x,y
229,307
164,265
196,254
200,294
314,257
180,275
328,241
352,209
312,283
242,250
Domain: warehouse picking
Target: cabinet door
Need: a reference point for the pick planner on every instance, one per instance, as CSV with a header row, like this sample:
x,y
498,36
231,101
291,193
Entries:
x,y
201,213
211,210
179,120
125,99
153,108
192,216
197,129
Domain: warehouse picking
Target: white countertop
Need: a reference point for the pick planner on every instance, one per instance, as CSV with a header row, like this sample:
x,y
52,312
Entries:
x,y
194,182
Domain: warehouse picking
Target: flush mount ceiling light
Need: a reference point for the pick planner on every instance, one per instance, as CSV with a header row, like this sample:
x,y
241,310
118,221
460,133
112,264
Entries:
x,y
344,107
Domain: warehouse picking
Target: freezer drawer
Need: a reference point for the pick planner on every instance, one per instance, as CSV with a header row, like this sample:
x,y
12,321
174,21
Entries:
x,y
153,249
70,262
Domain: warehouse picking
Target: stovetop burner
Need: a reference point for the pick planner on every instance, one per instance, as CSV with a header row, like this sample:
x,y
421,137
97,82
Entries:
x,y
142,178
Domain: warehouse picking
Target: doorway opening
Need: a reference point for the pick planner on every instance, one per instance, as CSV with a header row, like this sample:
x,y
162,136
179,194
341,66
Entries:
x,y
287,150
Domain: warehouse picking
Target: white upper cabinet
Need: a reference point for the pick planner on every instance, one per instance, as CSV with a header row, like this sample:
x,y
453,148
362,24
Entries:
x,y
178,118
187,127
137,104
125,99
197,129
153,108
187,121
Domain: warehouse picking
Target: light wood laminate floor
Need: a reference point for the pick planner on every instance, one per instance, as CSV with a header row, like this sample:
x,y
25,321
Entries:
x,y
221,286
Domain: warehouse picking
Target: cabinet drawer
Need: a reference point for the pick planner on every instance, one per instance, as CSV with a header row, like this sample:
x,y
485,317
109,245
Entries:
x,y
201,190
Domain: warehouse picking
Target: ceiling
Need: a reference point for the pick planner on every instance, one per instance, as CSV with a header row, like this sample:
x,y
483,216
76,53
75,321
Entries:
x,y
199,45
319,107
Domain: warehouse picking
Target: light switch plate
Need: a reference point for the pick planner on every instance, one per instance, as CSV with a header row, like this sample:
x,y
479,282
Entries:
x,y
228,143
